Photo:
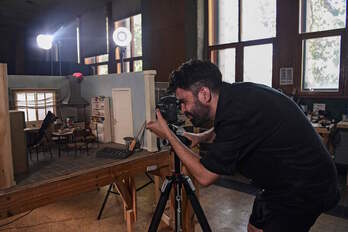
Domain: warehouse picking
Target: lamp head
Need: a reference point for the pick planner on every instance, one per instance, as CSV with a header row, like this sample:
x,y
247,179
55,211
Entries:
x,y
122,36
44,41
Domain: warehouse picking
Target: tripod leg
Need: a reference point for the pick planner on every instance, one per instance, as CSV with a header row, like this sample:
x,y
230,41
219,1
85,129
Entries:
x,y
190,189
178,205
104,202
156,219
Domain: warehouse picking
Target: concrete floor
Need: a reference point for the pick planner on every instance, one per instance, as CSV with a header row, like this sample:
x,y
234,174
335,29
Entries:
x,y
226,210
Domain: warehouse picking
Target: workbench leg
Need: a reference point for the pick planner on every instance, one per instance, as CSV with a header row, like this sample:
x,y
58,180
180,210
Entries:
x,y
129,220
126,188
134,197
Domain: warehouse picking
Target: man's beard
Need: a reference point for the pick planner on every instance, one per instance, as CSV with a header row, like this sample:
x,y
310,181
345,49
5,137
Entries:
x,y
199,115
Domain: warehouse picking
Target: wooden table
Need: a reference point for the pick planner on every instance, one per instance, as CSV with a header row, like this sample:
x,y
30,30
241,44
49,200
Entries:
x,y
324,133
62,135
20,199
31,129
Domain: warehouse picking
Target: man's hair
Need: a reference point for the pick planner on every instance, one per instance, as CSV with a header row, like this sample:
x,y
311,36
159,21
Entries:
x,y
194,74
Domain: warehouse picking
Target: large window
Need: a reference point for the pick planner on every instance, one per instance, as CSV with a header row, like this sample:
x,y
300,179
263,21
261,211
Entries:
x,y
35,103
133,53
241,37
322,26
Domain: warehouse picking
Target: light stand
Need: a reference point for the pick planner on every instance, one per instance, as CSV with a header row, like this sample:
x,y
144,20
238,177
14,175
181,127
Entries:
x,y
59,57
51,62
122,55
177,179
44,41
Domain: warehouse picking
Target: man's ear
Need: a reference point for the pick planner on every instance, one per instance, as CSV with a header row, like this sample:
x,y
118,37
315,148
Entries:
x,y
204,95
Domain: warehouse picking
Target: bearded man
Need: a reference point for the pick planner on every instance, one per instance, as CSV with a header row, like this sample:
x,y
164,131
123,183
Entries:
x,y
262,134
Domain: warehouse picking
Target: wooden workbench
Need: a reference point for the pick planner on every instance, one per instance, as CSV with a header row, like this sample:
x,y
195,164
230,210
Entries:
x,y
22,198
324,133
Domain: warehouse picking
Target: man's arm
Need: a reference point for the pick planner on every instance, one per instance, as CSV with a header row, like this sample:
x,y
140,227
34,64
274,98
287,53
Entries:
x,y
186,155
206,136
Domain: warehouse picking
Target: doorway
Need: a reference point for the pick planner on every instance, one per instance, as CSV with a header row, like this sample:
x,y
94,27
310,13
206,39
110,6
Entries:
x,y
122,114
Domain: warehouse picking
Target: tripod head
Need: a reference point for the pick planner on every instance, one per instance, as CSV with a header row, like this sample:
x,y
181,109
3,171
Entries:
x,y
179,132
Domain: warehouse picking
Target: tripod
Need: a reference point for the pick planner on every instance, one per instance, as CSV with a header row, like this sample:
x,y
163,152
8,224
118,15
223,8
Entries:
x,y
178,180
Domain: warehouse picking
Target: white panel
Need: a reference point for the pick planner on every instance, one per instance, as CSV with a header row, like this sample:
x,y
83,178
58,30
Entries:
x,y
123,116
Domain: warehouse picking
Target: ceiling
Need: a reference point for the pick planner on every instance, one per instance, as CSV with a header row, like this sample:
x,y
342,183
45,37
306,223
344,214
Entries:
x,y
20,13
47,14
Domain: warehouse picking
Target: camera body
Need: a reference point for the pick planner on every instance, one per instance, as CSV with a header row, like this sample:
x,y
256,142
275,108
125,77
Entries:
x,y
169,108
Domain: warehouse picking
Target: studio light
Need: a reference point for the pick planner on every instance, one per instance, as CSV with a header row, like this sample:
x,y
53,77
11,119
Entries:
x,y
122,36
44,41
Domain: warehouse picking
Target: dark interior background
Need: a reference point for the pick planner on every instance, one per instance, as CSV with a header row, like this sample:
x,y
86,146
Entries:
x,y
168,35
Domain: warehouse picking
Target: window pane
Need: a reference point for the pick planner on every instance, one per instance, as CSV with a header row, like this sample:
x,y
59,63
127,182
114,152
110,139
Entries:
x,y
41,106
49,99
321,63
21,102
223,16
102,69
138,66
258,64
225,59
258,19
103,58
49,109
31,107
90,60
124,23
125,69
137,36
319,15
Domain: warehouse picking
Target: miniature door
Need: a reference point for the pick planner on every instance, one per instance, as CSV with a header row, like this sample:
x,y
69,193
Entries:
x,y
122,114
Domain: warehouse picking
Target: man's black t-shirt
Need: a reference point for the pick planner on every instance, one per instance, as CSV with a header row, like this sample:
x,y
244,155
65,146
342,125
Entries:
x,y
264,135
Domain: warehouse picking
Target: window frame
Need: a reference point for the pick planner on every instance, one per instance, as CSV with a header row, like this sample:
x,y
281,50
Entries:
x,y
132,57
316,35
342,90
95,63
239,46
35,91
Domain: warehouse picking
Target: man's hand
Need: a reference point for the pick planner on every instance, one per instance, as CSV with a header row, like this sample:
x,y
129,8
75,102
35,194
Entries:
x,y
252,228
159,127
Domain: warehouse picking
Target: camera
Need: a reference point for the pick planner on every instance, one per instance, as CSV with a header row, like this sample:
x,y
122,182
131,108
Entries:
x,y
169,108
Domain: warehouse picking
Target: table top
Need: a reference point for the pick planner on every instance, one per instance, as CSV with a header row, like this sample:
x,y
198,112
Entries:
x,y
342,124
323,129
31,129
18,199
63,133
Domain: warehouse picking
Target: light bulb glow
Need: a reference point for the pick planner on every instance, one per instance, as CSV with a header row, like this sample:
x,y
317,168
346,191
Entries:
x,y
122,36
44,41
